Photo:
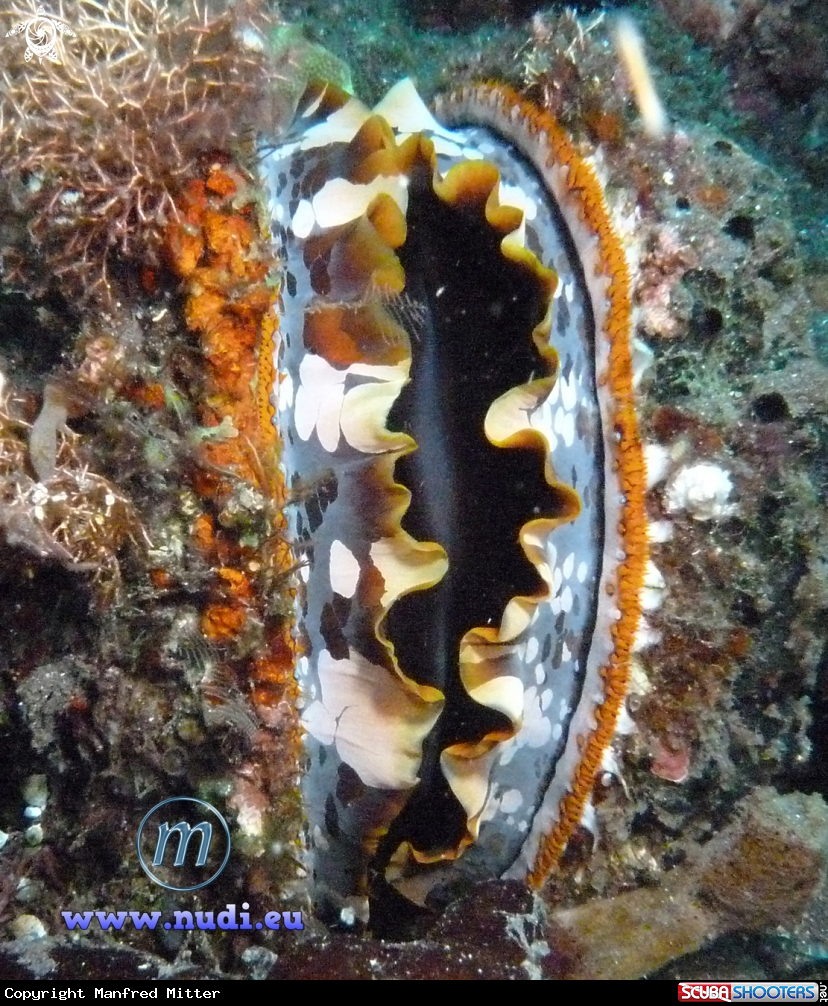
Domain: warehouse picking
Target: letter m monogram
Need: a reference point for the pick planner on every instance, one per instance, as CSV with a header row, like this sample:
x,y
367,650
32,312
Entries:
x,y
185,833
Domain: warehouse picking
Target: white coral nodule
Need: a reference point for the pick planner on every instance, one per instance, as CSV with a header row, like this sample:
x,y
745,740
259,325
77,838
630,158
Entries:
x,y
702,490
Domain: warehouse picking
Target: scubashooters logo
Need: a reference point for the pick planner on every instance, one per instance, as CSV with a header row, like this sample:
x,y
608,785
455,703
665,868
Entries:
x,y
41,36
183,873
